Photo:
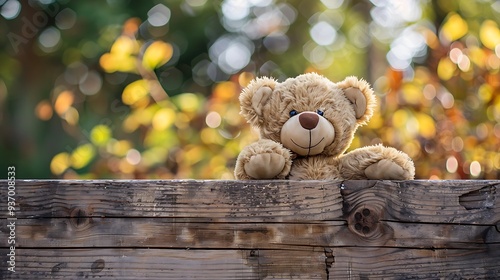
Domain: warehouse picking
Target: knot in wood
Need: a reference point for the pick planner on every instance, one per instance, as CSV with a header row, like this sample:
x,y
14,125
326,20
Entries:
x,y
79,218
254,253
364,221
98,266
56,268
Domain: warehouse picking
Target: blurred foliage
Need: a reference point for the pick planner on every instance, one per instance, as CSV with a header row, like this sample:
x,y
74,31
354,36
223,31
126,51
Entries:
x,y
149,89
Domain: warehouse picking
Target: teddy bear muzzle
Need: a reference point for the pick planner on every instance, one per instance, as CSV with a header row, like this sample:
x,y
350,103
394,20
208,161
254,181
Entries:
x,y
307,134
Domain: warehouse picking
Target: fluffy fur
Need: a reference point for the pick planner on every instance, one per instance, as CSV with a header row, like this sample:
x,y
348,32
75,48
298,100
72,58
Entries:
x,y
344,106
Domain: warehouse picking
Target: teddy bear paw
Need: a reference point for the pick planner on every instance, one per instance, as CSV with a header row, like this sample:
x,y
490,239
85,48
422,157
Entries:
x,y
265,166
386,169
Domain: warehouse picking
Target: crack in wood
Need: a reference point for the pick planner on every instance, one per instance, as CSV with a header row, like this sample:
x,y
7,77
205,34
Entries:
x,y
329,260
483,198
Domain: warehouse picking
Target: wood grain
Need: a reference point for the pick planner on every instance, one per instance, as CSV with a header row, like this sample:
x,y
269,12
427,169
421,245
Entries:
x,y
404,263
250,201
187,229
168,233
168,264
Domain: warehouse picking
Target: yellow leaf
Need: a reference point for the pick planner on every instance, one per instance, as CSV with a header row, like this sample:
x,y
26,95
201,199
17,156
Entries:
x,y
225,91
63,102
485,92
477,56
112,63
107,62
71,116
121,56
135,91
193,155
454,28
124,46
157,54
446,68
245,78
188,102
82,156
163,119
399,118
426,125
118,148
489,34
430,38
211,136
145,115
412,93
130,124
59,163
100,134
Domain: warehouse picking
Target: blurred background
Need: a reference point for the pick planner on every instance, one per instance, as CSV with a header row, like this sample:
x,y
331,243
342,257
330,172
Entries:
x,y
149,89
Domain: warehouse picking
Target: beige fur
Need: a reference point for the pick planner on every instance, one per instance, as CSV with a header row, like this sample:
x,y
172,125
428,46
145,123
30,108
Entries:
x,y
304,146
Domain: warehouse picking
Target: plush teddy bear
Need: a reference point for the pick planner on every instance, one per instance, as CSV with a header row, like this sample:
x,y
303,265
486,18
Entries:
x,y
306,124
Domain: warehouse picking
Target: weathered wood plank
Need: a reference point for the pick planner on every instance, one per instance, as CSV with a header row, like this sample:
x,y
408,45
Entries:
x,y
465,202
255,229
460,202
167,264
168,233
250,201
335,263
405,263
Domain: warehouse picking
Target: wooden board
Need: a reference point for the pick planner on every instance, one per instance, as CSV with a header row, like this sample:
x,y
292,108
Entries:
x,y
168,264
253,229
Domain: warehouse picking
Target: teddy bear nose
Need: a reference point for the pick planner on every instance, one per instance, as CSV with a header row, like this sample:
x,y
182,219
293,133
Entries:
x,y
308,120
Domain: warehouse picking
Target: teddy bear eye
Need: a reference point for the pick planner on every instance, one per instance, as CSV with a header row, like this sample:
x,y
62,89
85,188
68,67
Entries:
x,y
319,112
293,113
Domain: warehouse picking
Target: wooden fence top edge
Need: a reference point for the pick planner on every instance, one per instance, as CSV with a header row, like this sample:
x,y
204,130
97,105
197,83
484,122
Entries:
x,y
249,181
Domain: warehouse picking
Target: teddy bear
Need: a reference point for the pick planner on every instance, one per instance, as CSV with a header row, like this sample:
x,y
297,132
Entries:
x,y
306,124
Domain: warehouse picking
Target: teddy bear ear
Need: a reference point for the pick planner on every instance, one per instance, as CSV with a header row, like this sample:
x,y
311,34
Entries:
x,y
254,99
361,96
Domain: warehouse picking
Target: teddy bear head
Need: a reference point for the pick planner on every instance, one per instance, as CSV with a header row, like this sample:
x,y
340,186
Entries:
x,y
309,114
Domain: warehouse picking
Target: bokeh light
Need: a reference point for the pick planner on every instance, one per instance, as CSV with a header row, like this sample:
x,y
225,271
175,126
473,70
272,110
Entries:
x,y
43,110
65,19
159,15
49,39
323,33
10,9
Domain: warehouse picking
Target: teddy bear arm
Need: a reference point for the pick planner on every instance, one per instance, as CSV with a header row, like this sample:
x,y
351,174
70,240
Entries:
x,y
377,163
264,159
